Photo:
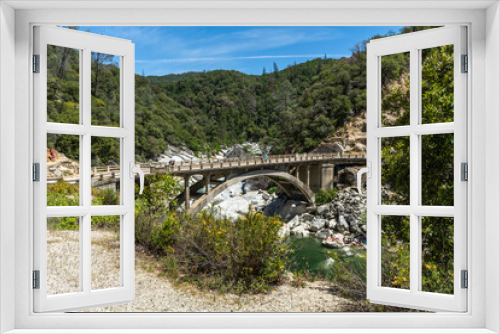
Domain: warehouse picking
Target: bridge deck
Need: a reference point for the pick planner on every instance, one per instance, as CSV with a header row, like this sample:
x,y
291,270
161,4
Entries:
x,y
110,173
191,168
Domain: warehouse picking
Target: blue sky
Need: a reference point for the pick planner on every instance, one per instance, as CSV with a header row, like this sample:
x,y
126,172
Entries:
x,y
166,50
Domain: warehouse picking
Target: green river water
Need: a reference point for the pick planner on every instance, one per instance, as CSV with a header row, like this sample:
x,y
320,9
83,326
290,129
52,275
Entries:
x,y
310,255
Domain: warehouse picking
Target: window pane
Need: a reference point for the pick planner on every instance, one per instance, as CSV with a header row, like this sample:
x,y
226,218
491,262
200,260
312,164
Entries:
x,y
395,76
63,255
105,252
63,85
437,84
395,252
105,89
105,171
63,170
437,254
395,170
437,169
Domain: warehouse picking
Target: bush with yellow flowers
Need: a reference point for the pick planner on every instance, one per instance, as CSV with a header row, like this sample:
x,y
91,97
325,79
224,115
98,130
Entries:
x,y
238,256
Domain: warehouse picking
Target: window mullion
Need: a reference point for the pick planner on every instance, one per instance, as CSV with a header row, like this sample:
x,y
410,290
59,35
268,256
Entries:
x,y
85,174
414,171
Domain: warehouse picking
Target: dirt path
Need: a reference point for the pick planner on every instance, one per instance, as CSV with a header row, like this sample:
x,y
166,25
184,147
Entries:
x,y
155,293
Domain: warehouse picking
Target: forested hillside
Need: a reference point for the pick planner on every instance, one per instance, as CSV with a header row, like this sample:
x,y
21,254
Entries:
x,y
291,109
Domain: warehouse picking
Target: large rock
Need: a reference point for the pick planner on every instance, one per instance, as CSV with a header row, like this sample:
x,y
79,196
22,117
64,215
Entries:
x,y
284,231
323,234
291,209
322,209
332,224
329,243
257,183
274,207
294,222
329,148
342,226
317,224
307,217
299,231
236,152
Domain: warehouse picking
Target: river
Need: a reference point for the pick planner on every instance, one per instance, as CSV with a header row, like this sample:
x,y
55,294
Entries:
x,y
310,255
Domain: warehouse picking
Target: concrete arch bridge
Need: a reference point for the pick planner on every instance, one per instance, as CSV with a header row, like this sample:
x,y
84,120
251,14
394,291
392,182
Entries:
x,y
297,175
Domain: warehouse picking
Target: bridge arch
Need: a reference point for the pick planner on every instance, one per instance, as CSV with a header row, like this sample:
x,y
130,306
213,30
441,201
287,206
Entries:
x,y
287,182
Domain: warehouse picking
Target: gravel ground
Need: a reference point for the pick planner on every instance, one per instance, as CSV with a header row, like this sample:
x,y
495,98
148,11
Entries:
x,y
155,293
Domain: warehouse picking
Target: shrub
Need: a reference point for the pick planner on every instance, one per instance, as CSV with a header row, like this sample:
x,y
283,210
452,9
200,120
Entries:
x,y
63,223
152,211
111,222
246,255
272,190
242,255
63,193
325,196
109,196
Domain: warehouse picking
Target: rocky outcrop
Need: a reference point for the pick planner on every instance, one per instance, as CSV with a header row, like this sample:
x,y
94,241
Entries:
x,y
237,152
350,139
338,224
183,154
58,165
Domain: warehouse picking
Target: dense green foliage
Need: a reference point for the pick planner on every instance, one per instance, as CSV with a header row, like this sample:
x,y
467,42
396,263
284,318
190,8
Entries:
x,y
325,196
291,109
152,215
246,255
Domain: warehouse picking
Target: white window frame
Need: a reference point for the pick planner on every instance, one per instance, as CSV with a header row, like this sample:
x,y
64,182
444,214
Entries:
x,y
484,102
85,43
413,43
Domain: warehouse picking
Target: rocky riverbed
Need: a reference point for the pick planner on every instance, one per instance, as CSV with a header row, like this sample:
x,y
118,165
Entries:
x,y
338,224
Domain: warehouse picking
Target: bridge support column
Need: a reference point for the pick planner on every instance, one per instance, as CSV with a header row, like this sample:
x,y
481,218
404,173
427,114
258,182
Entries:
x,y
315,177
327,175
308,175
187,193
303,173
206,178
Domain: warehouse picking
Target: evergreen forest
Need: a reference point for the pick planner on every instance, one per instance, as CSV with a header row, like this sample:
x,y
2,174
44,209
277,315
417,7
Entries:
x,y
291,109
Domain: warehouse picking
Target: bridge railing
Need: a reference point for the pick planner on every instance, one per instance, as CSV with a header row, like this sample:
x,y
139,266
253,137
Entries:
x,y
113,172
152,167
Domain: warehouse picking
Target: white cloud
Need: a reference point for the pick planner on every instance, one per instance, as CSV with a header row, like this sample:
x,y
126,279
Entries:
x,y
257,39
218,59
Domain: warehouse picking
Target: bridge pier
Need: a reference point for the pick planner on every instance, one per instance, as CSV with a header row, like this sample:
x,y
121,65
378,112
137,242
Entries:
x,y
187,192
206,178
315,172
327,175
303,173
